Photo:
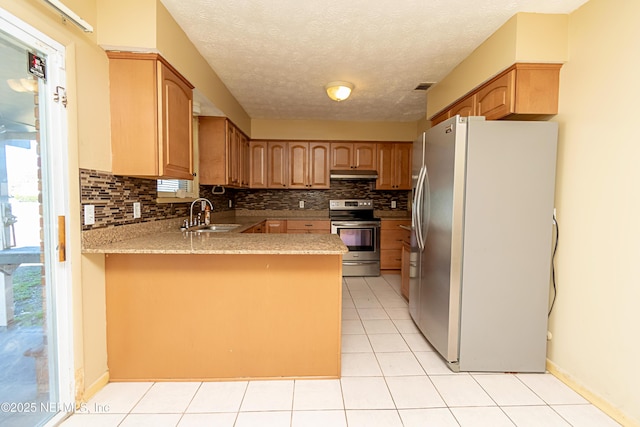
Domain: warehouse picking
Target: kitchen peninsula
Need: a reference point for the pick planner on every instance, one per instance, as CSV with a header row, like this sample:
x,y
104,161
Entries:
x,y
208,306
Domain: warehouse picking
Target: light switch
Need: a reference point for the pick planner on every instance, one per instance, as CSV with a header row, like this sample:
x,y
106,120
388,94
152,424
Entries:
x,y
136,210
89,214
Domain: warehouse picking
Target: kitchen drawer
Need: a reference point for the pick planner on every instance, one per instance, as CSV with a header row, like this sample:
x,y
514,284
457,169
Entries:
x,y
302,226
394,224
391,259
392,239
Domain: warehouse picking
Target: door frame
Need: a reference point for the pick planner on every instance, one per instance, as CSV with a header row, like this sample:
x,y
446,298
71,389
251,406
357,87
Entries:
x,y
56,179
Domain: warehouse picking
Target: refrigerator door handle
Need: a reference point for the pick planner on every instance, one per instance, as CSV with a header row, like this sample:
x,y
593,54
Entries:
x,y
427,205
418,208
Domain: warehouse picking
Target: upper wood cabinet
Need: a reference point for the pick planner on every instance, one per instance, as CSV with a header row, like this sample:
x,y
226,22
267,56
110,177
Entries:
x,y
523,91
268,164
394,166
258,164
308,165
223,152
353,155
151,117
466,107
277,164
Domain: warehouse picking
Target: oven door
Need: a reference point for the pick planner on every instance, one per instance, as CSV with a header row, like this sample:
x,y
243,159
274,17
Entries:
x,y
362,238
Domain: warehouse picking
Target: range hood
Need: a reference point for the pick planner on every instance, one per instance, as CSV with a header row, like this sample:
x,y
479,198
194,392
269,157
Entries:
x,y
354,174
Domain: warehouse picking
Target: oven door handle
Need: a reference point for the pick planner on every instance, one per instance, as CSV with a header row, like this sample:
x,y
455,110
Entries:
x,y
355,224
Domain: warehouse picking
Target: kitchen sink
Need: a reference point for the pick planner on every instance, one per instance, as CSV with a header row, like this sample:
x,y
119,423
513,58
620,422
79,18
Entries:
x,y
216,228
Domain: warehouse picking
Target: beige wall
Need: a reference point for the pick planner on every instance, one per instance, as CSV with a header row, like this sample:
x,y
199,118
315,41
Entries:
x,y
146,25
520,39
333,130
596,322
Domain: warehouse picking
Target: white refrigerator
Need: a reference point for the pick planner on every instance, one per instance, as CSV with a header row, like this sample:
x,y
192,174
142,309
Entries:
x,y
482,218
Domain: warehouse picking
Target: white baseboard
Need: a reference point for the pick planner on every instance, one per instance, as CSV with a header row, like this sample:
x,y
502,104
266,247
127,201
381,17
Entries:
x,y
597,401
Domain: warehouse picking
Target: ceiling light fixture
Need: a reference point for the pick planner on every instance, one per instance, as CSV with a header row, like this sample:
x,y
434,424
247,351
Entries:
x,y
339,91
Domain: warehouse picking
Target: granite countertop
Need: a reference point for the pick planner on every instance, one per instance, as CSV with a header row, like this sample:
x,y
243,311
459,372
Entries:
x,y
164,237
177,242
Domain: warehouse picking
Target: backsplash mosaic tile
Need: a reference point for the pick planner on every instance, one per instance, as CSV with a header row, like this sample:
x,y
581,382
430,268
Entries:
x,y
319,199
113,197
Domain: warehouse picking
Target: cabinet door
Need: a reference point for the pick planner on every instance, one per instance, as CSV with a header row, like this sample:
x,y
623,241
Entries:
x,y
341,155
213,150
298,164
277,164
402,163
465,108
364,156
245,161
258,164
440,118
177,126
318,165
233,153
494,101
276,226
385,168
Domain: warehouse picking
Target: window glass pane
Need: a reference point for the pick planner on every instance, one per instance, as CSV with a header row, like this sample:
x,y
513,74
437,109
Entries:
x,y
173,185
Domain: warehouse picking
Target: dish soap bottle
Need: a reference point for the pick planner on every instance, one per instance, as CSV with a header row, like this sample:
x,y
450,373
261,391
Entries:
x,y
207,215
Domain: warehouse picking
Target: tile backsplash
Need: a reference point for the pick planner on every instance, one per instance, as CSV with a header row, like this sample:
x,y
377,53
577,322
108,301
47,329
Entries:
x,y
319,199
113,197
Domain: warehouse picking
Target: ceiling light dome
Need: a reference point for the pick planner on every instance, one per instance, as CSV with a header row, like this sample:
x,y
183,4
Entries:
x,y
339,91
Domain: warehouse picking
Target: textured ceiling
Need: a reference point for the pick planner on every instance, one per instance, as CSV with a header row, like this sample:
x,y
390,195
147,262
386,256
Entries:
x,y
276,56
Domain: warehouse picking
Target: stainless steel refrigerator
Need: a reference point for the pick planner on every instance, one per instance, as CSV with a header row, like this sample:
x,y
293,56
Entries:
x,y
483,200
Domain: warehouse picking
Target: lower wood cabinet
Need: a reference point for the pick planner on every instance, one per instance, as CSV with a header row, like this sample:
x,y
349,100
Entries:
x,y
276,226
405,270
308,227
391,238
258,228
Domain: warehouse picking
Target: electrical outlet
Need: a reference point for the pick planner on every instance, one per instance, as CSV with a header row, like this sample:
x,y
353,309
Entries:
x,y
89,214
203,205
394,204
301,204
136,210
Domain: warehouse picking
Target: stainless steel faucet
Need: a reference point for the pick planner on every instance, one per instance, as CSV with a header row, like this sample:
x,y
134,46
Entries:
x,y
200,199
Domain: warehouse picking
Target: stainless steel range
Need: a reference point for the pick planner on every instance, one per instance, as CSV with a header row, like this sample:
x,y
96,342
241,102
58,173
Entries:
x,y
354,222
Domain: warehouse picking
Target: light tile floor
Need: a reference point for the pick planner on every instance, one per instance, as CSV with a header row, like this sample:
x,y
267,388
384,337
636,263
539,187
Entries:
x,y
391,376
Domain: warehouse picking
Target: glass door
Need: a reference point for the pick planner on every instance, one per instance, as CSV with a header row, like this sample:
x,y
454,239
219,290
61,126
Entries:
x,y
34,330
